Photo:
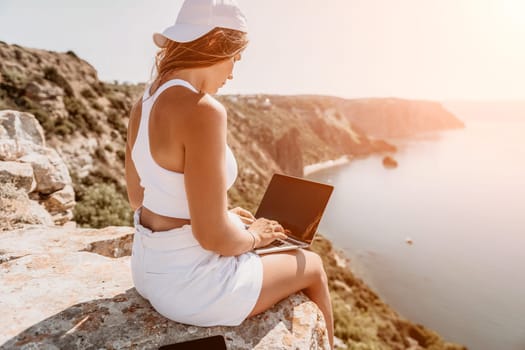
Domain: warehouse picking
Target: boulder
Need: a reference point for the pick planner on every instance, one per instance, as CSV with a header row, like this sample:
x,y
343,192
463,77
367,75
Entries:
x,y
20,134
60,204
21,126
19,174
26,162
39,215
68,288
50,171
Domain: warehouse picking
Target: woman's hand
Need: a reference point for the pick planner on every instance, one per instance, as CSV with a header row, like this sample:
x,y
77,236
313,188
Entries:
x,y
266,231
246,217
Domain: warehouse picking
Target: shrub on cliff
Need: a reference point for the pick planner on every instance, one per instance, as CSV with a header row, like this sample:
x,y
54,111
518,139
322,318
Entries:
x,y
51,74
81,116
102,205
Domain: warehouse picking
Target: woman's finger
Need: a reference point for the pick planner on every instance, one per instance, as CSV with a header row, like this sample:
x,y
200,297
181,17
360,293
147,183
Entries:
x,y
247,214
247,221
278,228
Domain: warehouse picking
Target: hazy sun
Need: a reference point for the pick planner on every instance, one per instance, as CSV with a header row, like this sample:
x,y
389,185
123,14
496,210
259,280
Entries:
x,y
514,13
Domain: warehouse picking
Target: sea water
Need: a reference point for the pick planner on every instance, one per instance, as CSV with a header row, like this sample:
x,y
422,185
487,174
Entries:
x,y
441,238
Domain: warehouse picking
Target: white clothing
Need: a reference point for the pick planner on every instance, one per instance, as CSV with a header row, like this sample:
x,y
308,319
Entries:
x,y
181,280
164,190
189,284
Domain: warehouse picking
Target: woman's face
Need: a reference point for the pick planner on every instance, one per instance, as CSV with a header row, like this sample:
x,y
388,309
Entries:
x,y
223,71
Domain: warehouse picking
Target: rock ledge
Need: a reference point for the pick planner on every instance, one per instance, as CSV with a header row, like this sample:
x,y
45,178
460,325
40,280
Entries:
x,y
62,288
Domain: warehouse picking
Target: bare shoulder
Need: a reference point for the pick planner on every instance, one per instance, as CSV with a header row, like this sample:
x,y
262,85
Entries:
x,y
208,110
207,122
198,113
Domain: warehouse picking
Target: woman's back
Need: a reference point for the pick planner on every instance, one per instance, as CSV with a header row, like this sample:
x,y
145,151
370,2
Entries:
x,y
160,123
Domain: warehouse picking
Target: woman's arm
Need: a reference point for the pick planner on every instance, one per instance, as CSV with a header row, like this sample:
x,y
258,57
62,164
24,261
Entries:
x,y
205,181
135,191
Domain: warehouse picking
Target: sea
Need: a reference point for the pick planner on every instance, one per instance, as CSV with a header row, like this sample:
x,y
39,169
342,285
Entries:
x,y
441,238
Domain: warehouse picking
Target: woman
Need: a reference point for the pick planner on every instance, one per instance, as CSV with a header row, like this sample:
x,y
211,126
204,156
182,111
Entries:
x,y
178,166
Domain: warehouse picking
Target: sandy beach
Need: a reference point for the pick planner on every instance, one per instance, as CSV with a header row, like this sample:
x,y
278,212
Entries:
x,y
312,168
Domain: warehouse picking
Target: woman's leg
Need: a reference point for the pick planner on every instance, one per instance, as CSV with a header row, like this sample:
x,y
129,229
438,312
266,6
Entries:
x,y
288,272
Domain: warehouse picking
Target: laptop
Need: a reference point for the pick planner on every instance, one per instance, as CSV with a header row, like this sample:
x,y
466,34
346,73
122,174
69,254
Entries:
x,y
298,205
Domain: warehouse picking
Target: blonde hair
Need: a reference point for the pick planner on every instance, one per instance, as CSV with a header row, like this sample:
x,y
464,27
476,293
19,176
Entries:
x,y
215,46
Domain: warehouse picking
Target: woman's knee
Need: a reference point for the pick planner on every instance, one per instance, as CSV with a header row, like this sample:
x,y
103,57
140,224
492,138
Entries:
x,y
317,267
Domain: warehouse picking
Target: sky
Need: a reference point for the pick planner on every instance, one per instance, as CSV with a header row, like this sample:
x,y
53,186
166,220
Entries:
x,y
417,49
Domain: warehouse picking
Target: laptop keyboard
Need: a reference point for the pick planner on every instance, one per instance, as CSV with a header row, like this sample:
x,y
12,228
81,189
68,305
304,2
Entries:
x,y
277,243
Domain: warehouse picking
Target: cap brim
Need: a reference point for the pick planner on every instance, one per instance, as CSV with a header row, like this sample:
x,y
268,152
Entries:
x,y
181,33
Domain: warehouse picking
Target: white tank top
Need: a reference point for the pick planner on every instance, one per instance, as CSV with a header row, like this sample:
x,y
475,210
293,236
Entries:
x,y
164,191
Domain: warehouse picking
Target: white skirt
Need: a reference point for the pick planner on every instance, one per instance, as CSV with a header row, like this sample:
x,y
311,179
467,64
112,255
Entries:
x,y
189,284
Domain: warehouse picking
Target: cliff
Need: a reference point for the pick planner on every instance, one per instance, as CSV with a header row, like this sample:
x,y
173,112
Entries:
x,y
84,121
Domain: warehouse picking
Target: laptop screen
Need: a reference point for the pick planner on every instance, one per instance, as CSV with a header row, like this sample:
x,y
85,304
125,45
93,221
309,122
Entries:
x,y
297,204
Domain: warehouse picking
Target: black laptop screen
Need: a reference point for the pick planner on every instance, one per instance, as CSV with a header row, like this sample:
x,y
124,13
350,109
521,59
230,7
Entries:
x,y
297,204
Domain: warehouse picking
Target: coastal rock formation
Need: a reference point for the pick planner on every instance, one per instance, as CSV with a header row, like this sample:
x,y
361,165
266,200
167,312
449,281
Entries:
x,y
389,162
37,170
394,117
71,288
288,153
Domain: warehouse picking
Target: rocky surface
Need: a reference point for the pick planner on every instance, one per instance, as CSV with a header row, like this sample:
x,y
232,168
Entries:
x,y
66,288
30,166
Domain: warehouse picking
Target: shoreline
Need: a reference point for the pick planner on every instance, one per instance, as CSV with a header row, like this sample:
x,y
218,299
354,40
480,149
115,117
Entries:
x,y
312,168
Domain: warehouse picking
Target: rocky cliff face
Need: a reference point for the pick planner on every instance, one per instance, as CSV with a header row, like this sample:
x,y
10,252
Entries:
x,y
387,118
85,120
399,118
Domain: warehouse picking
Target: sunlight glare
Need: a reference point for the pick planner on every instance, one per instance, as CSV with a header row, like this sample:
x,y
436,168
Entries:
x,y
514,14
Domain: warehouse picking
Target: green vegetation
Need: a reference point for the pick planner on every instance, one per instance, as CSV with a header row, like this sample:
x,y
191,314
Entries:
x,y
72,54
51,74
102,205
87,93
129,90
80,116
99,88
115,120
97,106
100,154
14,77
121,154
101,201
63,127
117,103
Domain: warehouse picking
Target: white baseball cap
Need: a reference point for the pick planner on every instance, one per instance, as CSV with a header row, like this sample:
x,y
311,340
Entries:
x,y
198,17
